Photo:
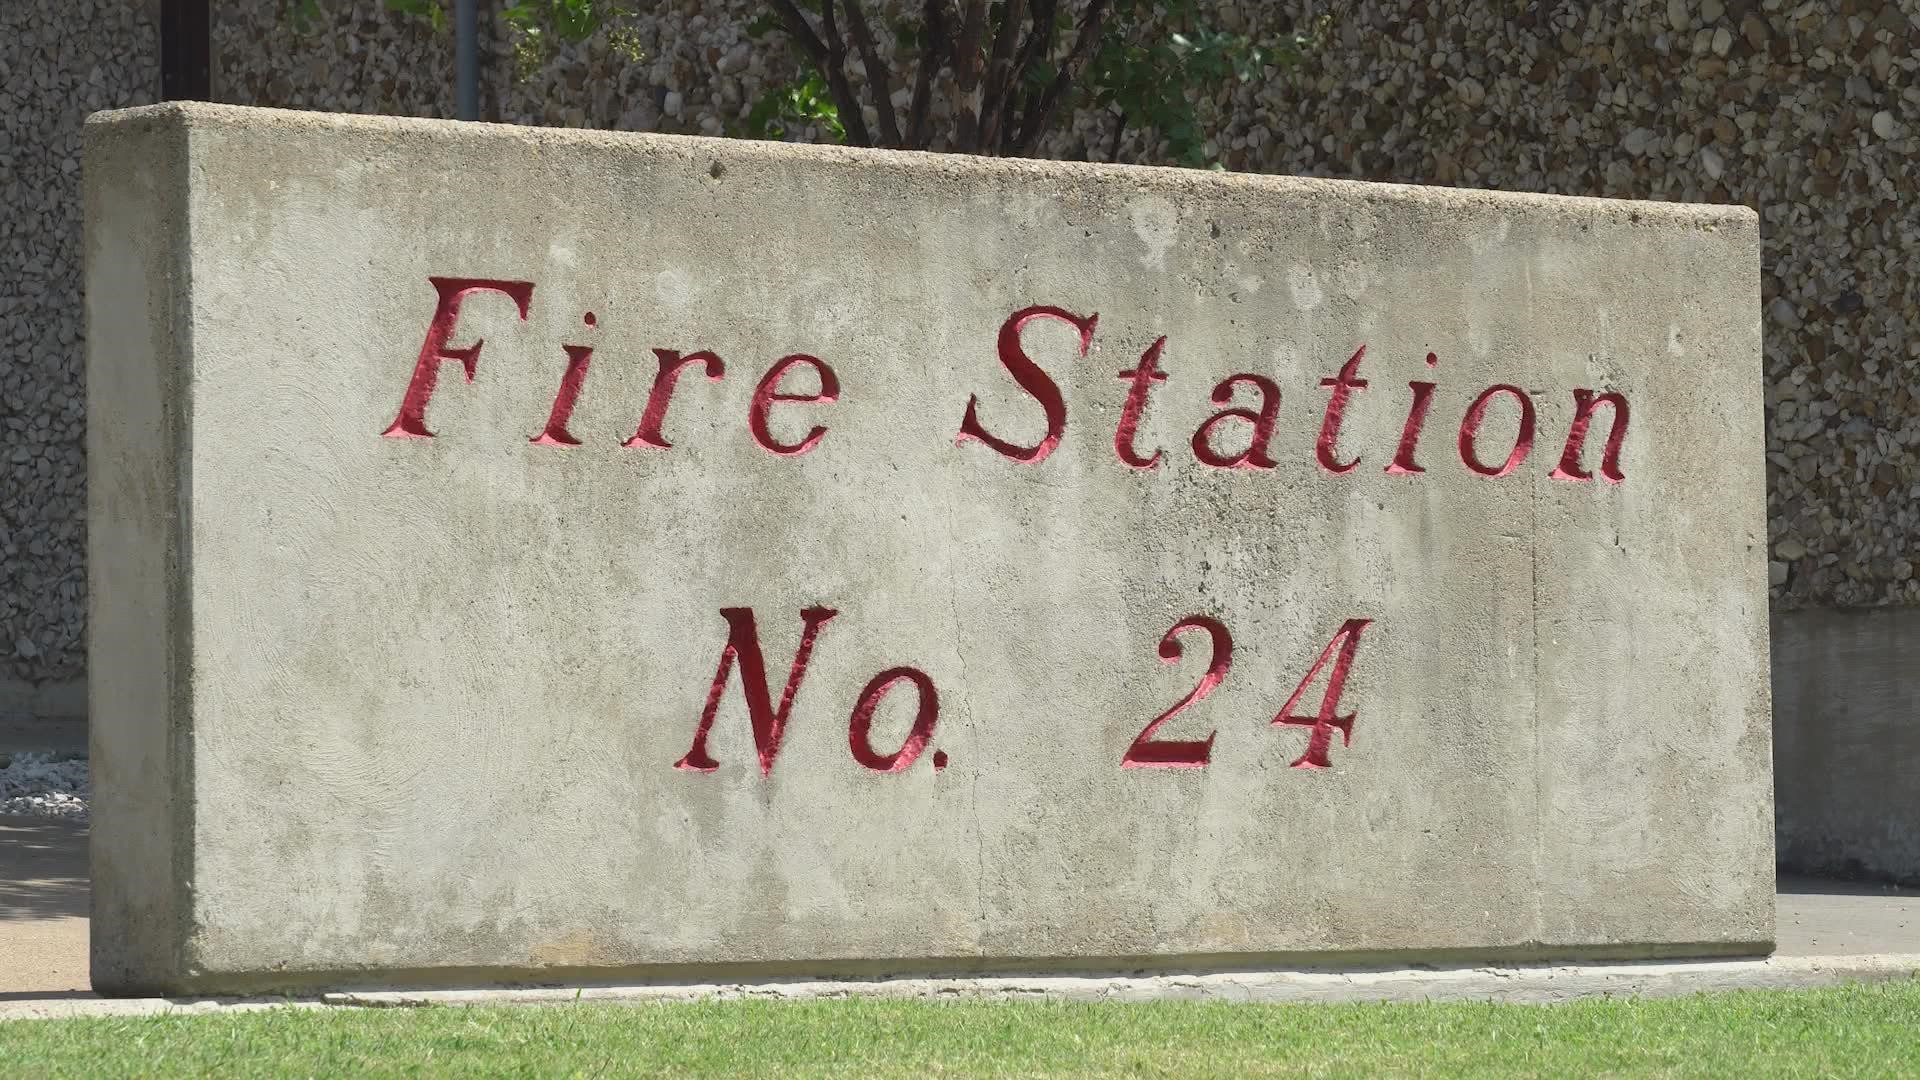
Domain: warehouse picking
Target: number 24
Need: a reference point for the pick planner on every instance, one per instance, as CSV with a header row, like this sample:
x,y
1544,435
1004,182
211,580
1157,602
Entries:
x,y
1147,752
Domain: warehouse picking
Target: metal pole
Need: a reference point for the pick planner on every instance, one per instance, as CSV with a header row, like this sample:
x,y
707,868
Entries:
x,y
466,59
186,53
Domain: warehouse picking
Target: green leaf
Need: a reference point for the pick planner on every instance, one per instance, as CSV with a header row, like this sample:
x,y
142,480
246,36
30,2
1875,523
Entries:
x,y
576,20
783,107
303,15
419,9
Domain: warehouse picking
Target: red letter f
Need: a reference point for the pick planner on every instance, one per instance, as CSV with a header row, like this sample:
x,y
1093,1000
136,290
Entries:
x,y
412,421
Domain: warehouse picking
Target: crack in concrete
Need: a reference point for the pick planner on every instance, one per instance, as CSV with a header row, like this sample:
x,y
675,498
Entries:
x,y
1539,828
973,726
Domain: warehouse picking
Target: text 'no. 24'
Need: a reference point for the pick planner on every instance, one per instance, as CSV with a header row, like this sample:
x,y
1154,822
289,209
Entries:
x,y
769,721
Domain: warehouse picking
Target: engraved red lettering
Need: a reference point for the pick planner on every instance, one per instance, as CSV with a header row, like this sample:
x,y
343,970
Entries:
x,y
767,393
860,726
1142,378
1343,386
1256,455
1470,429
769,724
1034,380
1402,463
1325,722
555,433
1148,752
1584,402
671,362
411,423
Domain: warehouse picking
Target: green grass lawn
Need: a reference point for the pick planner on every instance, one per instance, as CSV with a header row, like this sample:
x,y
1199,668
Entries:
x,y
1852,1031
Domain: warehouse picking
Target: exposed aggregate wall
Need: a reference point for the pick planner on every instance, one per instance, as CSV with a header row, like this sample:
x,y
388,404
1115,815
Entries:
x,y
1808,112
59,61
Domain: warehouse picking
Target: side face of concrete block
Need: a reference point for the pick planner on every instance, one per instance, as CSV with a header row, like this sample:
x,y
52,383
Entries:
x,y
138,342
456,640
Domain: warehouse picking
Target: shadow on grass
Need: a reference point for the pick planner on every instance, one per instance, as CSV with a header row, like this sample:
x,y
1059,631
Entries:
x,y
43,868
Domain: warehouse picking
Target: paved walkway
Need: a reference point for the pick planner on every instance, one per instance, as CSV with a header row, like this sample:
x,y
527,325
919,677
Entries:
x,y
1838,918
43,905
43,912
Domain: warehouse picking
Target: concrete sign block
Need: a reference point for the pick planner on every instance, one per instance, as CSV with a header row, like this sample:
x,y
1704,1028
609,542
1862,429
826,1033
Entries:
x,y
532,555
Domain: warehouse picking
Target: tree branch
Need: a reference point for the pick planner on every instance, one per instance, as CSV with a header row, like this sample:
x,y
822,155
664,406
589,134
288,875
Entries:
x,y
800,31
877,84
1042,112
999,73
1039,43
934,29
852,117
966,69
1040,39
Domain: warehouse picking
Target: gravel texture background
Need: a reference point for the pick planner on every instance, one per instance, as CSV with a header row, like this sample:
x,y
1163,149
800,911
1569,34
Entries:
x,y
1809,112
43,784
59,61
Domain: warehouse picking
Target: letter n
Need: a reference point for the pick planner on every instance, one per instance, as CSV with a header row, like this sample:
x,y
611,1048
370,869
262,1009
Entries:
x,y
769,724
1584,403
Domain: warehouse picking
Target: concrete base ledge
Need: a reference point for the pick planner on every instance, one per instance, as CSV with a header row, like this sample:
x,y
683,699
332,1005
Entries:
x,y
43,701
1530,985
1541,984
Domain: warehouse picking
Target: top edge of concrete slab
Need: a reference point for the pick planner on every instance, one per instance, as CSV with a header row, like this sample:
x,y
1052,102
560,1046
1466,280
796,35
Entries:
x,y
193,115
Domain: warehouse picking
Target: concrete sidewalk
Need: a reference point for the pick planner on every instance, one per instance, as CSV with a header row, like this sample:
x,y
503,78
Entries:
x,y
43,905
43,915
1816,917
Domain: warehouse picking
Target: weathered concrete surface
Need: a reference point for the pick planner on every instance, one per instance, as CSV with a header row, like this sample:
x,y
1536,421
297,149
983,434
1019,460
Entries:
x,y
46,703
405,711
1847,742
141,734
26,731
1827,931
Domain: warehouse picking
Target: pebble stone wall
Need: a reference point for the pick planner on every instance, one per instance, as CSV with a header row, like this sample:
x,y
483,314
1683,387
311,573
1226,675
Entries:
x,y
59,61
1809,112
